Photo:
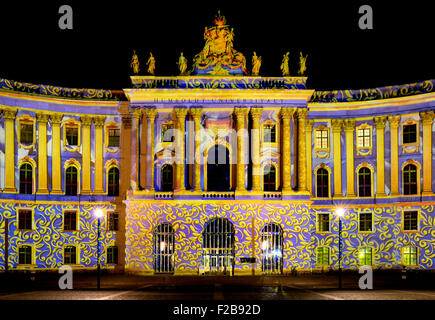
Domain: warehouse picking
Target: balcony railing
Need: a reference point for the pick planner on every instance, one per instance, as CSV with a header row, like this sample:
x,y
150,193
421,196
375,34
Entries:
x,y
272,195
164,195
218,195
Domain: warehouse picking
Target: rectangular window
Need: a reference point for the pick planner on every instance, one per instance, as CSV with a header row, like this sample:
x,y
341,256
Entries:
x,y
25,255
410,221
112,221
365,221
321,139
409,256
72,135
70,255
25,219
114,138
112,255
323,256
269,133
365,256
363,138
26,133
167,132
410,133
70,221
323,222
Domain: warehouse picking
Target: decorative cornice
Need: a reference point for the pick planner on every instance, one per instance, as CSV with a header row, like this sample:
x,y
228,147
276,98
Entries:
x,y
394,121
380,121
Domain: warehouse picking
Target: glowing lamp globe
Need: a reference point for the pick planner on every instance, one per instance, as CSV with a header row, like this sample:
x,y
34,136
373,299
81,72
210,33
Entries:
x,y
340,212
99,213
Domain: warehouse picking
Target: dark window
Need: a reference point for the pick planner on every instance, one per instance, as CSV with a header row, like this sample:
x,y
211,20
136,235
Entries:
x,y
365,182
168,133
70,221
269,133
113,182
112,255
167,177
323,222
25,220
410,179
70,255
25,255
72,136
410,133
321,139
114,138
26,183
410,221
26,132
269,178
112,223
365,221
71,181
322,186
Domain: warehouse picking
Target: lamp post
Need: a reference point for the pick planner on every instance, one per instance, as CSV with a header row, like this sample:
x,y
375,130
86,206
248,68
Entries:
x,y
340,214
99,214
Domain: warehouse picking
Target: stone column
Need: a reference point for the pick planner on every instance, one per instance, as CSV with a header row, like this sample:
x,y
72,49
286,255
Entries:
x,y
99,144
196,115
42,153
140,143
86,156
394,147
9,116
308,132
427,120
337,125
241,114
56,172
380,154
151,115
349,129
256,113
302,158
286,114
180,173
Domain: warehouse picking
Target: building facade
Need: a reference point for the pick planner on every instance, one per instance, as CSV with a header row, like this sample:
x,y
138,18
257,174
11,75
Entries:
x,y
217,171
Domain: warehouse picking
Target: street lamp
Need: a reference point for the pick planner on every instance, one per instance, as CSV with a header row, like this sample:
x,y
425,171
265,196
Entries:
x,y
99,213
340,213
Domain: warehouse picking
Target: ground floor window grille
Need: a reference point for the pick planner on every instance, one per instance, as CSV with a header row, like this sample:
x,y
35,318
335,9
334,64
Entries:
x,y
271,249
164,248
218,247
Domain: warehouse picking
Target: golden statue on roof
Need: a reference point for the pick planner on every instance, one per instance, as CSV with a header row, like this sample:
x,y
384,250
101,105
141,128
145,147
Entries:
x,y
135,63
151,63
302,64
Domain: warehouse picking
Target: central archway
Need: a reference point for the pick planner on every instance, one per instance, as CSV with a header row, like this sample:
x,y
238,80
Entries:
x,y
218,169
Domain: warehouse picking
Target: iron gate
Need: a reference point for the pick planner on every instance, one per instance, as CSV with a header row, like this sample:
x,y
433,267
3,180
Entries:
x,y
271,249
218,247
164,248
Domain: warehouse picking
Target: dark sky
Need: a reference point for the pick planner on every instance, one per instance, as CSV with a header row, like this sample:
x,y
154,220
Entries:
x,y
97,52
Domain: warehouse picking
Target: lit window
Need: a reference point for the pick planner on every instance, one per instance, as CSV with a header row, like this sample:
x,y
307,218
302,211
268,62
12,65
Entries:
x,y
269,133
112,255
322,183
72,134
112,221
365,256
410,133
323,256
114,138
321,139
70,255
363,138
409,256
25,219
410,221
410,179
365,221
26,133
70,221
323,222
24,254
168,132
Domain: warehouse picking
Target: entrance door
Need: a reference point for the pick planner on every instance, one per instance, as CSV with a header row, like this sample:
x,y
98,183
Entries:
x,y
218,169
218,247
271,249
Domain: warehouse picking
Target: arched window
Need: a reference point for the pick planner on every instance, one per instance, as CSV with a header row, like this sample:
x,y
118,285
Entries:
x,y
364,182
26,177
410,179
269,178
322,183
71,178
113,182
271,249
167,180
164,248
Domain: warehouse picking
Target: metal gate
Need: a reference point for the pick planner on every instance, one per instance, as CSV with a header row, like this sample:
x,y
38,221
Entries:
x,y
218,247
164,248
271,249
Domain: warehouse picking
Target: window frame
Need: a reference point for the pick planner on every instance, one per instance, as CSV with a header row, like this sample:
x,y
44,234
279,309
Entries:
x,y
32,218
370,174
161,177
32,255
77,213
418,178
116,185
316,171
32,180
359,256
322,128
264,127
77,180
174,136
111,125
113,256
372,229
403,220
26,119
417,256
109,219
317,256
77,254
361,149
414,145
318,222
276,176
71,123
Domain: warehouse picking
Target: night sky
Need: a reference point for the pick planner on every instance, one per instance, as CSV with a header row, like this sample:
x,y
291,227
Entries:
x,y
97,52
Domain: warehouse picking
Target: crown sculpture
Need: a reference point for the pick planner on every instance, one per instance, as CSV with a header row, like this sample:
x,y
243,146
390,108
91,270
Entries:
x,y
218,57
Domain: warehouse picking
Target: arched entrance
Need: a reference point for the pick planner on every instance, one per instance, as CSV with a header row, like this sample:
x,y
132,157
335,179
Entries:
x,y
271,249
218,169
218,247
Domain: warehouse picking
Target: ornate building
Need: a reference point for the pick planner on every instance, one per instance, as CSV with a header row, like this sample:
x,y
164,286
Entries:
x,y
216,171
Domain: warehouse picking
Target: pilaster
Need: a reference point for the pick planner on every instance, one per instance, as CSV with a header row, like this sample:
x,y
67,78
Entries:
x,y
380,154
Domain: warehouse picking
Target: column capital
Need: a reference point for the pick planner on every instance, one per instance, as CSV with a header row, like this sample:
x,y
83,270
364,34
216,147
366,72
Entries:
x,y
137,113
256,112
336,124
196,112
180,112
56,118
86,120
309,124
427,117
241,112
287,112
394,121
302,113
380,122
349,125
9,114
126,120
42,117
99,121
151,113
